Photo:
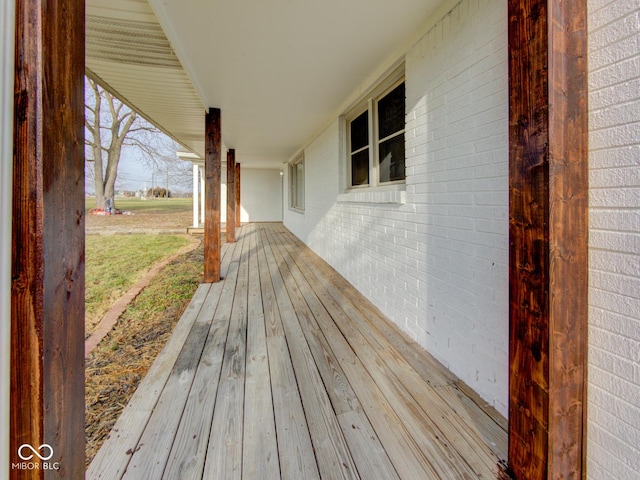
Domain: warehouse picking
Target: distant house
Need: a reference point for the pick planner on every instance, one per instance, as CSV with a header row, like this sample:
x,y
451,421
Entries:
x,y
471,166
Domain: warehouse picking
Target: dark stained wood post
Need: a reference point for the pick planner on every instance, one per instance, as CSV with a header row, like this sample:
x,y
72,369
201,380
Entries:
x,y
47,264
237,195
231,196
548,238
212,189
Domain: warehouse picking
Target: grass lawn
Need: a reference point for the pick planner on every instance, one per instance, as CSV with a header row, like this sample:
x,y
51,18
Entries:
x,y
116,262
168,214
125,249
155,205
115,368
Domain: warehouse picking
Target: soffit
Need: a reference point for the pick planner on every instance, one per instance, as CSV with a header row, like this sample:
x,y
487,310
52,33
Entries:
x,y
128,52
280,70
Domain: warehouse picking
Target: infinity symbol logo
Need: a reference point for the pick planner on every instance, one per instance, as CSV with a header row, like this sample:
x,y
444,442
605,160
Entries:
x,y
36,452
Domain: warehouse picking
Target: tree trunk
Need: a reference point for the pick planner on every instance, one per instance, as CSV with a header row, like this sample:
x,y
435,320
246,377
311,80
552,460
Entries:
x,y
121,122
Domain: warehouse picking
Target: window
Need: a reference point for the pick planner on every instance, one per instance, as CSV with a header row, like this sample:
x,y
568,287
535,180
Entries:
x,y
376,139
296,186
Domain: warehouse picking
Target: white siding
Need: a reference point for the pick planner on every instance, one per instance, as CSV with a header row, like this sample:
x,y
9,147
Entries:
x,y
614,243
260,195
433,260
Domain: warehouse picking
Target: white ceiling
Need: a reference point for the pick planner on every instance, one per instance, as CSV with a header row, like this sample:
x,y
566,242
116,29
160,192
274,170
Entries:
x,y
280,70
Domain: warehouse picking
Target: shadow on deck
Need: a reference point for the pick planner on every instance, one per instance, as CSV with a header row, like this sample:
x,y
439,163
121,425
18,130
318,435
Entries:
x,y
283,370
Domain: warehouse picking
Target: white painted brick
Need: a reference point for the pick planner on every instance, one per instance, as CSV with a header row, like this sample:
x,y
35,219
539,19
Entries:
x,y
611,282
614,197
614,305
615,68
626,91
615,115
615,157
603,13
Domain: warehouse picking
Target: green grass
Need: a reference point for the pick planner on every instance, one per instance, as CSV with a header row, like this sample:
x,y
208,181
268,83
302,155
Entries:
x,y
156,205
116,262
115,368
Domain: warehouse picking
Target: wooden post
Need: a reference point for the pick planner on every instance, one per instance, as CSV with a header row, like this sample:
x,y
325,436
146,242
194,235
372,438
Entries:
x,y
238,195
47,269
212,167
548,238
231,196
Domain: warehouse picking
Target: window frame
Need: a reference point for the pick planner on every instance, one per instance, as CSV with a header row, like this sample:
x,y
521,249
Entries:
x,y
294,186
370,104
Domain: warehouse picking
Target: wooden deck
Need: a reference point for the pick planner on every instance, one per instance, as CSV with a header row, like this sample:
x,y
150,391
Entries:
x,y
283,370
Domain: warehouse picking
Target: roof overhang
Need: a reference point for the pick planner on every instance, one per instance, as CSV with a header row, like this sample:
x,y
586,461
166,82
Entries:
x,y
280,71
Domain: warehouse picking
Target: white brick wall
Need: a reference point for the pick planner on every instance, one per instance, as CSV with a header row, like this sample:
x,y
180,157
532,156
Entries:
x,y
614,243
433,259
457,158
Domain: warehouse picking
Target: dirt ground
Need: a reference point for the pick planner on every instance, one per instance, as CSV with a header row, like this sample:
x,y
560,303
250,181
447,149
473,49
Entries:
x,y
149,222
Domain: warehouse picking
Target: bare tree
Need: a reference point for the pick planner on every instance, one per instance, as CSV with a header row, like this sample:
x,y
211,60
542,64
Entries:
x,y
110,126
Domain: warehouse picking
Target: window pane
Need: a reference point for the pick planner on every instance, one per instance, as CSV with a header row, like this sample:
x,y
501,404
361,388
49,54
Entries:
x,y
300,185
391,157
360,168
360,132
391,112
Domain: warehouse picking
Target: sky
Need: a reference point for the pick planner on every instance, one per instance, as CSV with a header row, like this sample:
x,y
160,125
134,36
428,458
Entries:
x,y
138,168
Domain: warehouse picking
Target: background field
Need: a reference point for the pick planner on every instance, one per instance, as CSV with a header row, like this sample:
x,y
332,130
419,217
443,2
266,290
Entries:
x,y
172,215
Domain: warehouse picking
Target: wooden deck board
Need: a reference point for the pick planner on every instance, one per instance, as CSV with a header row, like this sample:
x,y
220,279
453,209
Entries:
x,y
224,453
187,457
295,450
283,370
260,459
334,459
407,387
112,459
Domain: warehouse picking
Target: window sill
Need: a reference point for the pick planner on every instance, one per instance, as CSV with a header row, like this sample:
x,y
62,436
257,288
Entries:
x,y
296,210
398,197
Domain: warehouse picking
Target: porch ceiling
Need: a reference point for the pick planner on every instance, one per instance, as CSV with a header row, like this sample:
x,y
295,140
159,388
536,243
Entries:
x,y
278,70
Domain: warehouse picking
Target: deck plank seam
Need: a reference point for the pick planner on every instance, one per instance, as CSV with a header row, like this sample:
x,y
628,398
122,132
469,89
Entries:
x,y
312,322
291,292
396,382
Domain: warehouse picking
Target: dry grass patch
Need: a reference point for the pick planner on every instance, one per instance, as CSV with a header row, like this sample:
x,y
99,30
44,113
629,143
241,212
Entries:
x,y
116,367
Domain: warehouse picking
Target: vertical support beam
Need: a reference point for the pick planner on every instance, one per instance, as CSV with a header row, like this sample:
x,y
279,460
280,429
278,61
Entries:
x,y
212,193
237,194
196,197
47,270
548,175
231,195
